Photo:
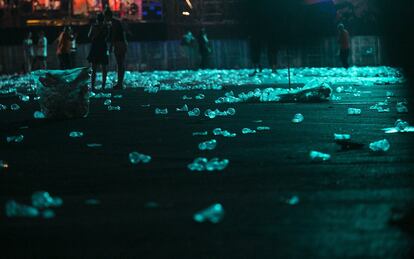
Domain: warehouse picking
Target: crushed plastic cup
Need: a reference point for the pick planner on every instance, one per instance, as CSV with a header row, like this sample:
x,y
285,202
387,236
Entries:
x,y
15,139
136,158
14,209
354,111
208,145
298,118
401,107
76,134
319,156
183,109
213,214
263,128
43,199
194,112
113,108
159,111
14,107
39,115
248,131
341,137
200,97
380,146
200,133
203,164
107,102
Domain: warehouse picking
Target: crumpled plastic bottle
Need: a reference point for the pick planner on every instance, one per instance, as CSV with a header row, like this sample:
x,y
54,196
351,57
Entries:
x,y
136,158
107,102
76,134
354,111
15,139
208,145
248,131
203,164
194,112
319,156
113,108
183,109
214,214
14,107
231,111
24,98
161,111
342,136
43,199
200,97
401,125
14,209
39,115
380,146
224,133
298,118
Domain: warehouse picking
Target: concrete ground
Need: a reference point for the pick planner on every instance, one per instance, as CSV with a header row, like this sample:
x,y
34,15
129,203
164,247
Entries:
x,y
357,205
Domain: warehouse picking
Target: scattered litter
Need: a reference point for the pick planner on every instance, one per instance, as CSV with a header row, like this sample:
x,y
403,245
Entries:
x,y
213,214
208,145
380,146
43,199
298,118
212,114
263,128
203,164
224,133
401,107
248,131
185,97
294,200
76,134
342,136
319,156
159,111
107,102
15,139
200,97
24,98
194,112
136,158
39,115
354,111
400,126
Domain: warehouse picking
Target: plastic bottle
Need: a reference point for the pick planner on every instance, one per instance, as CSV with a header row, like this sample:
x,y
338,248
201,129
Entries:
x,y
213,214
39,115
183,109
159,111
298,118
200,96
201,133
342,136
208,145
231,111
319,156
14,209
248,131
194,112
354,111
14,107
24,98
107,102
262,128
15,139
114,108
136,158
43,199
209,113
76,134
380,146
401,125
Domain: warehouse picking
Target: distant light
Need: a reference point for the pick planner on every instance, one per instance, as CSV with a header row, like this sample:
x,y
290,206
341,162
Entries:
x,y
186,13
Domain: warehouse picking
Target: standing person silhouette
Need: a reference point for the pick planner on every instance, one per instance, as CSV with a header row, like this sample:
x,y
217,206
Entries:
x,y
63,48
98,53
118,44
343,40
28,52
204,48
41,50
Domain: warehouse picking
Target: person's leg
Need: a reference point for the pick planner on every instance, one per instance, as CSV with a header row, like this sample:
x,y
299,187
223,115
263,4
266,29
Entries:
x,y
44,62
104,75
93,75
120,61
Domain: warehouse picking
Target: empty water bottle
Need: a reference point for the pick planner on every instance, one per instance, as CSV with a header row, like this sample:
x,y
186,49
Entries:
x,y
14,107
319,156
342,136
194,112
298,118
14,209
201,133
76,134
24,98
208,145
183,109
213,214
43,199
354,111
136,158
200,97
161,111
114,108
107,102
248,131
39,115
15,139
209,113
380,146
203,164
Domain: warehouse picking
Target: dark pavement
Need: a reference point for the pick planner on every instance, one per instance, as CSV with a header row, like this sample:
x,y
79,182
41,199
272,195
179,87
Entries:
x,y
347,205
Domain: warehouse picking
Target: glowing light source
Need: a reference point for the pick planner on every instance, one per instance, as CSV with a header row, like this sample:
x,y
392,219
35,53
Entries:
x,y
186,13
189,4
